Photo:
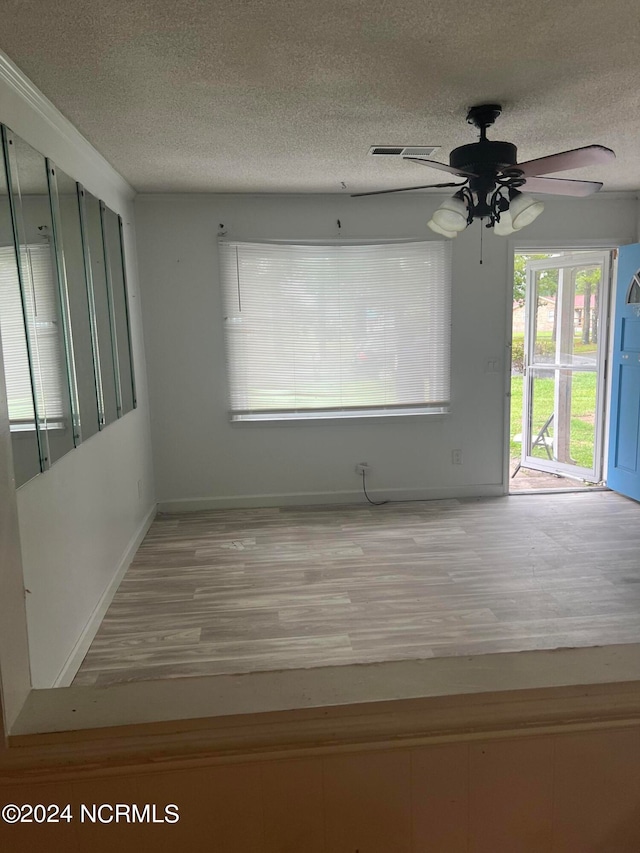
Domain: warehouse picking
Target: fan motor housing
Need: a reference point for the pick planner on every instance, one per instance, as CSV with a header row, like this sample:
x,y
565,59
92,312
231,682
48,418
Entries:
x,y
484,156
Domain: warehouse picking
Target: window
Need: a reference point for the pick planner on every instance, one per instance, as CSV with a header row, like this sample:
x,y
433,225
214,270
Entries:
x,y
633,297
336,330
42,316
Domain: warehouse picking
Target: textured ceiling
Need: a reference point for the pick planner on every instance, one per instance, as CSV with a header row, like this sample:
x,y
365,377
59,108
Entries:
x,y
288,95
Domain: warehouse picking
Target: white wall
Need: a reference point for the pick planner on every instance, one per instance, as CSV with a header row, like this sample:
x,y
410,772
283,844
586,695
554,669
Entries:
x,y
14,647
78,520
202,459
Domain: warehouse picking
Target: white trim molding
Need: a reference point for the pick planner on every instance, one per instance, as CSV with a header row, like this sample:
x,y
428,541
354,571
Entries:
x,y
17,83
395,495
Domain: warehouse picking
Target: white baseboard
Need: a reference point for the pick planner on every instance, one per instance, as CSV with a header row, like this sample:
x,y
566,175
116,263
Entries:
x,y
72,664
328,498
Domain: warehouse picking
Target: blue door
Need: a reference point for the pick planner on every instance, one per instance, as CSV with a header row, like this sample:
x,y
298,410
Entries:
x,y
624,424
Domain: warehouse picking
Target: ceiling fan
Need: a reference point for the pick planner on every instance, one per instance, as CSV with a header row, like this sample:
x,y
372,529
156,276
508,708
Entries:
x,y
494,180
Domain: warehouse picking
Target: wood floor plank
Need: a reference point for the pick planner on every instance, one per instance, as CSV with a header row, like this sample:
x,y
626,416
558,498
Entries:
x,y
223,591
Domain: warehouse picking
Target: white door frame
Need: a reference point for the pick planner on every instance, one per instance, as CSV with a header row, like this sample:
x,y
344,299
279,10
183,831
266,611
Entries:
x,y
564,263
523,247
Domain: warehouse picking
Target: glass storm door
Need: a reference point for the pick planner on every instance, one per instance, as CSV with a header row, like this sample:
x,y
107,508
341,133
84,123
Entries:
x,y
623,474
565,346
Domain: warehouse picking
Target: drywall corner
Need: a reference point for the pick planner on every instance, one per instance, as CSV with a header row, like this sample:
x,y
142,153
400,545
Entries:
x,y
72,664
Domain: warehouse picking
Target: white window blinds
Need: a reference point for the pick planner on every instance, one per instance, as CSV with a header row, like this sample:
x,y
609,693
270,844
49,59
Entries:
x,y
336,330
42,319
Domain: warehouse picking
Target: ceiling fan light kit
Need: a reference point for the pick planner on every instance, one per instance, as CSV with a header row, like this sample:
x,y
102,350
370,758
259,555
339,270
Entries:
x,y
524,209
493,180
452,214
439,230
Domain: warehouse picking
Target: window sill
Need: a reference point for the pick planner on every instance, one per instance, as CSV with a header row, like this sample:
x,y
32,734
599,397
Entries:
x,y
357,417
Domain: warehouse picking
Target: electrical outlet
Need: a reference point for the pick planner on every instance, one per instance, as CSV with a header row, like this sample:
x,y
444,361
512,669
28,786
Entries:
x,y
456,457
362,468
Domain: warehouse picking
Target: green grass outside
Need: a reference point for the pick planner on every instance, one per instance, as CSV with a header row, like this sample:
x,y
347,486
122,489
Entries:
x,y
583,404
578,347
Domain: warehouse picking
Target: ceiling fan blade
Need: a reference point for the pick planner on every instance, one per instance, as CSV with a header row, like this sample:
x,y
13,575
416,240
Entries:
x,y
561,186
406,189
443,167
590,155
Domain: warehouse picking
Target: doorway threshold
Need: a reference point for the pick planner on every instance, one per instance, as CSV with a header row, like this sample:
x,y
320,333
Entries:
x,y
528,480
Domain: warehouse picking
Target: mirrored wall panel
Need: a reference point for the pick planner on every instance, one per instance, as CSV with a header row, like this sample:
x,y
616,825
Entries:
x,y
15,351
104,333
41,288
68,238
112,232
64,310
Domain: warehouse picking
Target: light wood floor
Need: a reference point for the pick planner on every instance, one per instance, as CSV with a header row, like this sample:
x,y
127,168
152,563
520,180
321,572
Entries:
x,y
246,590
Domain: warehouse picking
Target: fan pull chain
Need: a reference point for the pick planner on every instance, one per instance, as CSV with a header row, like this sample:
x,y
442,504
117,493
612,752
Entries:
x,y
481,233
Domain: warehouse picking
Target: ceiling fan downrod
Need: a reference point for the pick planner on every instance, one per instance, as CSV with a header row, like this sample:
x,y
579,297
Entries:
x,y
483,116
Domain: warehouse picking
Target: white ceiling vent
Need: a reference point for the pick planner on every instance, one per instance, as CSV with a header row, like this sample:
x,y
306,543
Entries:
x,y
403,150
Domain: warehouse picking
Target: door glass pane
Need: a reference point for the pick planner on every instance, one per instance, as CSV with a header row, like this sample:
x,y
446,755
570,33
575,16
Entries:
x,y
565,313
541,414
105,352
22,420
545,284
567,303
40,282
581,402
563,407
582,343
633,297
69,237
115,260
